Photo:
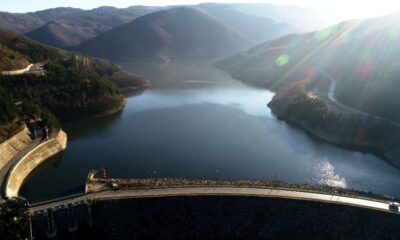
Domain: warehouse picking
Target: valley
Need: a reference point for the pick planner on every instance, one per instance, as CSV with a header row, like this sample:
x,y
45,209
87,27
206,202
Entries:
x,y
204,125
107,108
154,42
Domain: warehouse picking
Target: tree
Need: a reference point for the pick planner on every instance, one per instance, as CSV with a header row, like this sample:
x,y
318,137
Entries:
x,y
14,220
8,111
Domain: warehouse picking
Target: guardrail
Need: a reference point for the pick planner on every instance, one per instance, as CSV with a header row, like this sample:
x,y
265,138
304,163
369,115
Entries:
x,y
58,199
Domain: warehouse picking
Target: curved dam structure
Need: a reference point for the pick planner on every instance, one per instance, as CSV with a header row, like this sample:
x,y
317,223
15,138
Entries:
x,y
100,188
32,160
13,146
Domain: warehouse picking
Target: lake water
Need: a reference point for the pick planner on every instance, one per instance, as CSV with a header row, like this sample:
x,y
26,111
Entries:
x,y
198,122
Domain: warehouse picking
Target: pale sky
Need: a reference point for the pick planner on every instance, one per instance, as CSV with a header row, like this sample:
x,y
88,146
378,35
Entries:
x,y
339,8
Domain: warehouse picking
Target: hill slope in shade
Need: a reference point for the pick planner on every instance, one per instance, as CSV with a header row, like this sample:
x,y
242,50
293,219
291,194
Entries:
x,y
85,25
170,34
363,56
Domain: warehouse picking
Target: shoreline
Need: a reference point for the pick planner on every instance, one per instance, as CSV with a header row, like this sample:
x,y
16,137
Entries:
x,y
390,156
117,109
126,92
344,143
341,144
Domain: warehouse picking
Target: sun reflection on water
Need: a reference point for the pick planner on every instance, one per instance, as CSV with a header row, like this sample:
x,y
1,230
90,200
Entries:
x,y
326,175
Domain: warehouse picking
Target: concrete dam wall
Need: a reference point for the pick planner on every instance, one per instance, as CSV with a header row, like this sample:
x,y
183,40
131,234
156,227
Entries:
x,y
13,146
32,160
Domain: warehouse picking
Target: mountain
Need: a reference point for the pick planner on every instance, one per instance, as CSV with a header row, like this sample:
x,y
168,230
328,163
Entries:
x,y
174,33
71,26
85,25
25,22
340,84
77,28
70,85
362,55
303,18
254,28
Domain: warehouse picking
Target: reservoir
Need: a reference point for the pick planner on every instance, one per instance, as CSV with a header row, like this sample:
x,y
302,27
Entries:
x,y
198,122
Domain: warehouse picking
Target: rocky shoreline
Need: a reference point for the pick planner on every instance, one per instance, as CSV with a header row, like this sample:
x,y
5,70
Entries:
x,y
357,136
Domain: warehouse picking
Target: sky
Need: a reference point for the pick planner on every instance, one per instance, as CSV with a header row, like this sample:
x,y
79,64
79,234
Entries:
x,y
339,8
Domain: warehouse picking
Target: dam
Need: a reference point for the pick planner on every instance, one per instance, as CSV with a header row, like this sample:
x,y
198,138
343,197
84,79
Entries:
x,y
23,153
70,216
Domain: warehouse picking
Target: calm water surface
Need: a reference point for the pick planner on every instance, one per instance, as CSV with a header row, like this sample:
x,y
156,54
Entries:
x,y
197,122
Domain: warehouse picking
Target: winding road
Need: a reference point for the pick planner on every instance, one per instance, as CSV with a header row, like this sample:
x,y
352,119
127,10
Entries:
x,y
34,68
215,191
332,98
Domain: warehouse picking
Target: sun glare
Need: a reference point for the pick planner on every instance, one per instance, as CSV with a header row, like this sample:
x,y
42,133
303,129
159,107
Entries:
x,y
355,9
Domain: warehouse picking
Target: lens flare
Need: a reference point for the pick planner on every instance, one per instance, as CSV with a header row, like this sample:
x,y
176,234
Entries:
x,y
282,60
325,33
393,34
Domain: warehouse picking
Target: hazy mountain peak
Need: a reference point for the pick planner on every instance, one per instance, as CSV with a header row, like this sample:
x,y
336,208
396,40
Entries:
x,y
104,9
181,32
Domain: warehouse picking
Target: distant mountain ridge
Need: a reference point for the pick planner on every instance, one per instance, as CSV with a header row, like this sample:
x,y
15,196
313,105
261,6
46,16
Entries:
x,y
25,22
82,26
302,18
254,28
65,27
181,32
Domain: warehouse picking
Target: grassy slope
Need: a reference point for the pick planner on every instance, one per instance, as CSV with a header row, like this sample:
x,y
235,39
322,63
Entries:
x,y
11,60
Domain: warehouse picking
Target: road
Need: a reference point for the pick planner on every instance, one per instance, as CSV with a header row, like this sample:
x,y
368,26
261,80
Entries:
x,y
332,98
36,130
217,191
36,68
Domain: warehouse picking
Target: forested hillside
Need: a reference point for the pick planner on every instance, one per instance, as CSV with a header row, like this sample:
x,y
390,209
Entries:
x,y
362,55
71,87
